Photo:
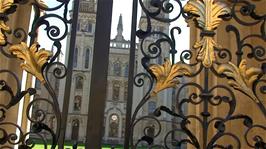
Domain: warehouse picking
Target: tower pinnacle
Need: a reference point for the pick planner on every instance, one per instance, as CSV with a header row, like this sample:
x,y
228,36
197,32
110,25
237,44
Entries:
x,y
119,35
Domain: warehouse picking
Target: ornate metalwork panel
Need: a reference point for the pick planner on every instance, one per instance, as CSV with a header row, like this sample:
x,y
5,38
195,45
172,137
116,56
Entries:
x,y
194,123
237,71
37,61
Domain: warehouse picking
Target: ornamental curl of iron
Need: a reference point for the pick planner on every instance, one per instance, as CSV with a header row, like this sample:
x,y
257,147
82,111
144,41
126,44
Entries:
x,y
38,62
249,80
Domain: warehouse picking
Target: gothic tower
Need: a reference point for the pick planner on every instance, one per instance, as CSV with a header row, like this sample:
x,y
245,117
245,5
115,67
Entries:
x,y
82,63
115,107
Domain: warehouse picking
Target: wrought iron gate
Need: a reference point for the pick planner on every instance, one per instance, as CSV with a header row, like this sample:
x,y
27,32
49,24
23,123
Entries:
x,y
237,71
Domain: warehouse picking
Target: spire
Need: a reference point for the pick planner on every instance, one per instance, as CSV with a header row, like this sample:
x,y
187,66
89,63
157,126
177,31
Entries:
x,y
120,23
119,35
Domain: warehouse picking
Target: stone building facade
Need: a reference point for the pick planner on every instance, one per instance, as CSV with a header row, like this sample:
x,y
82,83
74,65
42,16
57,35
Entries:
x,y
115,108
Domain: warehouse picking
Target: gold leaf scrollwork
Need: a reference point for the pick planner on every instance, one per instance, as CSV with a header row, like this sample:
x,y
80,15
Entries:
x,y
166,75
241,78
208,16
4,6
33,58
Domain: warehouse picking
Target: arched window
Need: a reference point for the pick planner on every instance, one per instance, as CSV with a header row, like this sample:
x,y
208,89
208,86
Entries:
x,y
113,125
125,94
125,91
77,103
87,58
78,26
75,129
79,82
117,68
116,90
89,27
75,59
151,107
126,70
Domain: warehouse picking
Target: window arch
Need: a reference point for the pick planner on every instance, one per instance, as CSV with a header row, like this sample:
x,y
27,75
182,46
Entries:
x,y
87,58
126,70
116,90
125,91
79,82
75,129
77,103
78,26
151,106
117,68
89,27
75,59
113,125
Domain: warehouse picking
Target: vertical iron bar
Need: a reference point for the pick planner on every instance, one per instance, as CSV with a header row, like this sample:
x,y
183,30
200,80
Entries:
x,y
99,74
69,74
131,73
206,96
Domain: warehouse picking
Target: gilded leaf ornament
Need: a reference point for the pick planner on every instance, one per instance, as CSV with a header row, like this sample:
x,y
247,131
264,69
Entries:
x,y
33,58
4,6
208,14
166,75
241,78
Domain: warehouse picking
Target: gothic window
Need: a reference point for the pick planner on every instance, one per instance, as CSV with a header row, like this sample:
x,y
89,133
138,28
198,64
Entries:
x,y
83,26
123,127
151,106
87,58
89,27
126,70
75,129
125,91
77,103
75,59
116,91
113,125
125,94
79,82
78,26
117,68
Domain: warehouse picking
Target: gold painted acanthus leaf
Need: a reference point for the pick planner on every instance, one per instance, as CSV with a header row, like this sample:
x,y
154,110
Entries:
x,y
207,12
33,58
166,75
4,6
206,53
208,16
241,78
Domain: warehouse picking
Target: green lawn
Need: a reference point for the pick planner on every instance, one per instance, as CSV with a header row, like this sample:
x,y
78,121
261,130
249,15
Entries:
x,y
38,146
